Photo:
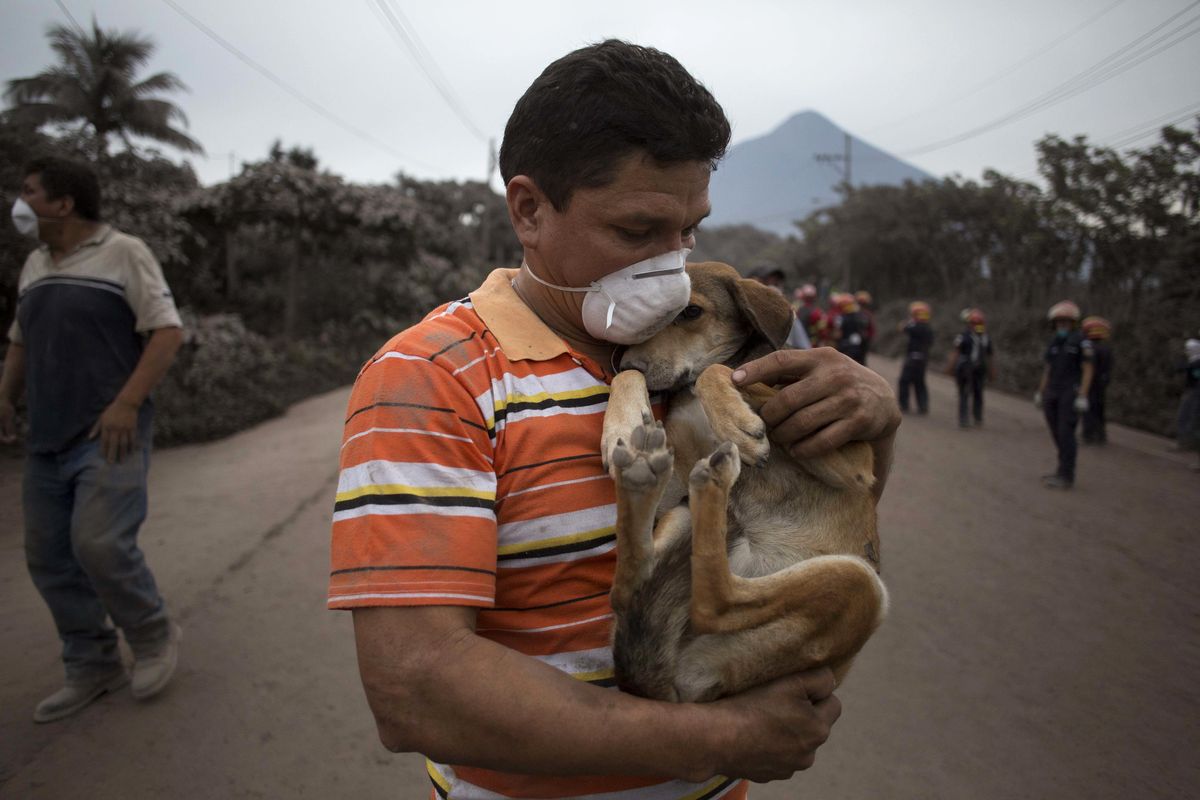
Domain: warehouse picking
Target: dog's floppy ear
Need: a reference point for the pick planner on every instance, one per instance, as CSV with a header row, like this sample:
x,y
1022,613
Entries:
x,y
766,309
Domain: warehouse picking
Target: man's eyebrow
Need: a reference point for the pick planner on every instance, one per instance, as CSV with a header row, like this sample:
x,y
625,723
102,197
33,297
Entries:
x,y
651,220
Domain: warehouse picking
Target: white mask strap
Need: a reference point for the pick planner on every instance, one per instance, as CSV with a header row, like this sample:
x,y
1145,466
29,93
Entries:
x,y
595,287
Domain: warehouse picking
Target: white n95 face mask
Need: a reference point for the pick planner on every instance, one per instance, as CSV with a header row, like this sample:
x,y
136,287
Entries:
x,y
24,218
634,303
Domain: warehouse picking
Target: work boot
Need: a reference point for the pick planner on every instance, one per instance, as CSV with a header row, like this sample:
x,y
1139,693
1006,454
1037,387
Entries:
x,y
78,694
153,670
1057,482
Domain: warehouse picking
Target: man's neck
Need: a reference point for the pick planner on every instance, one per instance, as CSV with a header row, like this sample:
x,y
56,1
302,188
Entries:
x,y
561,313
73,233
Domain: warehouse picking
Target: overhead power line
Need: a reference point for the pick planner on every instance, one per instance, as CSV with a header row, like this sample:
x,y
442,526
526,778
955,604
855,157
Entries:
x,y
67,13
1151,127
1011,68
403,31
1112,65
296,93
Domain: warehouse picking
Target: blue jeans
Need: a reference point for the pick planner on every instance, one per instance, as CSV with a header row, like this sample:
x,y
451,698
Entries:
x,y
82,516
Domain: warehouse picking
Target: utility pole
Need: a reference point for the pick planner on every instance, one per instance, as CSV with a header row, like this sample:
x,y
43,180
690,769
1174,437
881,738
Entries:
x,y
845,159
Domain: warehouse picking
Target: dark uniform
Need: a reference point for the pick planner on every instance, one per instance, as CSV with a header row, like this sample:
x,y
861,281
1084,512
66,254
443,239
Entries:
x,y
853,341
916,358
1093,421
970,371
1065,357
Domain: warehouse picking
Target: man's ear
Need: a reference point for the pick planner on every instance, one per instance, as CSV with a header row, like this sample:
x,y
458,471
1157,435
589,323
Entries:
x,y
66,205
526,208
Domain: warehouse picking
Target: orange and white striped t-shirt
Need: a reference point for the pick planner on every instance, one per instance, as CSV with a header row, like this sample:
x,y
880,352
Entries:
x,y
471,475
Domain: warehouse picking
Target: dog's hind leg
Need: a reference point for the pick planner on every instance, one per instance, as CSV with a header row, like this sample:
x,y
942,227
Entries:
x,y
818,613
641,469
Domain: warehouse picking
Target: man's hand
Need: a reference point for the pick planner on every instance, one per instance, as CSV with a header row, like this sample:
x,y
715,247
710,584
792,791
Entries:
x,y
785,721
8,421
830,400
117,428
1037,399
1081,404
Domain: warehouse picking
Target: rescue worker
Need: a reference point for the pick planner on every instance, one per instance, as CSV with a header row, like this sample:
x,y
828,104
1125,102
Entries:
x,y
866,307
916,356
851,328
810,315
971,365
1097,330
1063,390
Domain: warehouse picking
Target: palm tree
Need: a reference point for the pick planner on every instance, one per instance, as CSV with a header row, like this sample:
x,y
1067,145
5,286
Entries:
x,y
95,83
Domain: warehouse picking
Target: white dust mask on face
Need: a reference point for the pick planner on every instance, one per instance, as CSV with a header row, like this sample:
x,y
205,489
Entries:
x,y
634,303
24,218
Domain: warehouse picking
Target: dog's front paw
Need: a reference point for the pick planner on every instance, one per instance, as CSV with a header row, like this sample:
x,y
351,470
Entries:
x,y
731,417
722,467
644,463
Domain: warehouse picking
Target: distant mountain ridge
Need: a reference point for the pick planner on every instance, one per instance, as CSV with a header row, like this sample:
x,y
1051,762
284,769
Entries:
x,y
773,180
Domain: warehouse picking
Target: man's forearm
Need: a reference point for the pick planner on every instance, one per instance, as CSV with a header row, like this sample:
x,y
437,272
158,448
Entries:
x,y
152,366
13,378
1085,383
479,703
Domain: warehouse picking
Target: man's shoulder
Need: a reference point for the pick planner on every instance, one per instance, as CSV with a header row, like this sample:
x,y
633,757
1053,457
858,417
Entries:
x,y
451,336
120,243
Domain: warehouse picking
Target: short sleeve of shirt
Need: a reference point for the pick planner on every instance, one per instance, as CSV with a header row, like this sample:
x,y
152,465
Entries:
x,y
1087,353
147,291
414,517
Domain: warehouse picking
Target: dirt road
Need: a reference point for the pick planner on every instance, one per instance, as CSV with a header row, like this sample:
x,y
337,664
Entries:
x,y
1041,644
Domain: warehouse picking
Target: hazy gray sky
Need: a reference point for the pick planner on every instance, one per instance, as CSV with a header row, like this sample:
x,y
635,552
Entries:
x,y
899,75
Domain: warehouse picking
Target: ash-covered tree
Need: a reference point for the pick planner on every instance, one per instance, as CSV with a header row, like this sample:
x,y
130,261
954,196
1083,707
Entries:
x,y
95,89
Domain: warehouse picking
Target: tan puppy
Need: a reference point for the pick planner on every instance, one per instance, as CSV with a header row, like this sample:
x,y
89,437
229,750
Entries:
x,y
770,565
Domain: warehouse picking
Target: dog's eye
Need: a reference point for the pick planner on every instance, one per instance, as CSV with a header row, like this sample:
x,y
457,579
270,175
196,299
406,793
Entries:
x,y
691,312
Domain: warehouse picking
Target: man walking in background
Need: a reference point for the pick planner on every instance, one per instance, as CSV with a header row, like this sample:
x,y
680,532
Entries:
x,y
1063,390
96,329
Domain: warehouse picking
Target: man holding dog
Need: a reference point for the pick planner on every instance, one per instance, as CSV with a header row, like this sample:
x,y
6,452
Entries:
x,y
473,529
96,329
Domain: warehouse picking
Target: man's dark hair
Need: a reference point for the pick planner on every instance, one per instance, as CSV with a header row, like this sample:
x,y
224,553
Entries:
x,y
594,106
64,177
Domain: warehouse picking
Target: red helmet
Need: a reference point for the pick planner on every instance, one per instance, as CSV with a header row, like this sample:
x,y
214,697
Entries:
x,y
1096,328
1063,310
975,317
920,311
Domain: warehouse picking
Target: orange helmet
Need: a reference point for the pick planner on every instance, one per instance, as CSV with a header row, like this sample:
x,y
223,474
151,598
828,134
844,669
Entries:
x,y
845,302
920,311
1063,310
863,297
1096,328
976,317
